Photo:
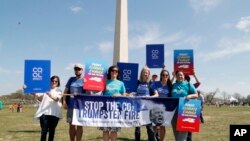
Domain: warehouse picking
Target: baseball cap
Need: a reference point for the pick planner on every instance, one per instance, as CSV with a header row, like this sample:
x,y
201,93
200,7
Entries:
x,y
78,65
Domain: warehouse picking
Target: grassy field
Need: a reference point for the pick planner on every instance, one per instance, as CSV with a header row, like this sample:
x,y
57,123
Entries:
x,y
21,126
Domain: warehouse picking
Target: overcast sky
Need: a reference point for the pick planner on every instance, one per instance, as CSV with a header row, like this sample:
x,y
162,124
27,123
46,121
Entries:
x,y
70,31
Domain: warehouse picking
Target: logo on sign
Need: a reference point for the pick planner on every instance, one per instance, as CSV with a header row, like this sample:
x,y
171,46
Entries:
x,y
155,54
126,75
239,132
37,73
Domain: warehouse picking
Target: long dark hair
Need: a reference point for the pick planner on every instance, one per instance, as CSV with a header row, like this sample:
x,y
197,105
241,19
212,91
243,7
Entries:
x,y
109,72
169,83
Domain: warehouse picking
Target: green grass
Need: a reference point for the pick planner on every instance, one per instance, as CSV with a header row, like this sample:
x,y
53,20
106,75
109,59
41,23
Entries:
x,y
21,126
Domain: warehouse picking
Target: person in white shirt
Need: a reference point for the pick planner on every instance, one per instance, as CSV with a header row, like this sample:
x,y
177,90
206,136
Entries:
x,y
49,111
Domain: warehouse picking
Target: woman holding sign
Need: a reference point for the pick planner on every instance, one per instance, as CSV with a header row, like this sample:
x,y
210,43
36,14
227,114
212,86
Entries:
x,y
145,89
163,87
49,111
114,87
181,88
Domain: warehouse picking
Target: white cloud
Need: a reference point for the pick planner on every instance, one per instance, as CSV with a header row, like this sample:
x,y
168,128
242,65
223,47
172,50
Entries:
x,y
76,9
242,83
244,24
4,71
103,47
147,33
106,46
70,66
203,5
226,48
191,41
142,33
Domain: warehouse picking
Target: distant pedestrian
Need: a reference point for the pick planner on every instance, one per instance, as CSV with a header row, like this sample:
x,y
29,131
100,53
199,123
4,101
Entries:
x,y
154,77
201,98
21,108
18,107
1,105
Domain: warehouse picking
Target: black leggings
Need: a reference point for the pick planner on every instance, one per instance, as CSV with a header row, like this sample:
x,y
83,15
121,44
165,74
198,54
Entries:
x,y
48,124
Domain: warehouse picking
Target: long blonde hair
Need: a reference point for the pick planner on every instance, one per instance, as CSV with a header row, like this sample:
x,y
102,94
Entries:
x,y
149,77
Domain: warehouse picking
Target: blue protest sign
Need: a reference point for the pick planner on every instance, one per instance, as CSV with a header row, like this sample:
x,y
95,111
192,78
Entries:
x,y
189,115
37,76
129,75
155,55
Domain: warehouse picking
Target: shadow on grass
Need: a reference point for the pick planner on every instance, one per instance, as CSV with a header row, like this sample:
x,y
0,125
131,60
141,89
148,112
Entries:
x,y
24,131
126,139
119,139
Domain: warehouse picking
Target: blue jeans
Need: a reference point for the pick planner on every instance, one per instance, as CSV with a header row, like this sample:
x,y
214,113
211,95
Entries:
x,y
150,131
48,124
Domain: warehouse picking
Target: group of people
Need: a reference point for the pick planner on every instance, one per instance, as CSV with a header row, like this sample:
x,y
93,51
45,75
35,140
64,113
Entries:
x,y
18,107
49,111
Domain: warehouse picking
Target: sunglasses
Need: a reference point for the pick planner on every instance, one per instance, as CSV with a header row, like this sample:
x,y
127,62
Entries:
x,y
77,69
114,70
164,75
54,81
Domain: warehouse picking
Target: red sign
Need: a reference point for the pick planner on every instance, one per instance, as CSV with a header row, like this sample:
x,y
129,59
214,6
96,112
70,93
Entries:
x,y
184,61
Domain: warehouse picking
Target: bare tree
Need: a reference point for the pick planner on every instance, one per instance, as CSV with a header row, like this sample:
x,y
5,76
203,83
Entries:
x,y
224,96
237,96
210,96
248,99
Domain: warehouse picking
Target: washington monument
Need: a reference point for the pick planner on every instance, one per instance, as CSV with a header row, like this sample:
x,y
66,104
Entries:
x,y
120,53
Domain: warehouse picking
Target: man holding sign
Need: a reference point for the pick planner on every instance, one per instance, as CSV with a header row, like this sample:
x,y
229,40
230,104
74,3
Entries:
x,y
73,88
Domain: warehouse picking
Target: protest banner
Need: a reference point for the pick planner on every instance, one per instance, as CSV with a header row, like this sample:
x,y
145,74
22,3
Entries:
x,y
95,75
102,111
188,115
37,76
155,55
184,61
129,75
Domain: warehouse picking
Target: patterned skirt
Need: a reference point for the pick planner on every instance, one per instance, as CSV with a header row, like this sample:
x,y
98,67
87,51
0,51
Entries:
x,y
111,129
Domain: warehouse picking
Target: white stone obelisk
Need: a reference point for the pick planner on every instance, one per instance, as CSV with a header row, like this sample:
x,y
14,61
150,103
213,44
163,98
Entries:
x,y
121,32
